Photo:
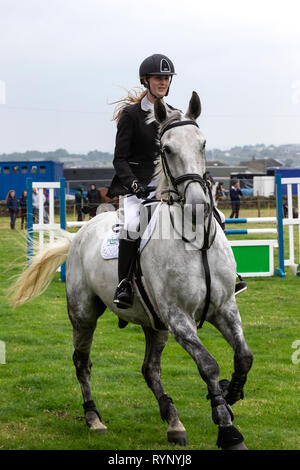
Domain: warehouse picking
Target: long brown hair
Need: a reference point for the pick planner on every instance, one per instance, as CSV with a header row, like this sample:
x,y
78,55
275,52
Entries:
x,y
135,95
9,194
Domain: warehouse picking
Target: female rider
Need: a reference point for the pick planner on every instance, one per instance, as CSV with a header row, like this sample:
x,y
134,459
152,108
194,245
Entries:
x,y
135,153
136,150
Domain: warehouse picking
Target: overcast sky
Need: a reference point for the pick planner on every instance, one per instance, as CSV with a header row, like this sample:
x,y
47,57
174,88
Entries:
x,y
63,61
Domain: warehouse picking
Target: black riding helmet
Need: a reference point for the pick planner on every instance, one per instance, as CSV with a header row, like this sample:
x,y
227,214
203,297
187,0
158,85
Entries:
x,y
156,64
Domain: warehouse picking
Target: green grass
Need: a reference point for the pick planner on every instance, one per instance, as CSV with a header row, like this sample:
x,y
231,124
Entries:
x,y
41,403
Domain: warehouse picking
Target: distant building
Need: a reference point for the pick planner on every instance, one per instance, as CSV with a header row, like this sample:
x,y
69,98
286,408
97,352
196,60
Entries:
x,y
101,177
222,173
260,165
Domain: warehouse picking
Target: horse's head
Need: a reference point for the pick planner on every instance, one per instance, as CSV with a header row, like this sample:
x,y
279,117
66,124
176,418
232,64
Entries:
x,y
182,154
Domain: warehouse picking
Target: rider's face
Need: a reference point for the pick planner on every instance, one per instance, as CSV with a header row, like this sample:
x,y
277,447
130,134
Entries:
x,y
159,85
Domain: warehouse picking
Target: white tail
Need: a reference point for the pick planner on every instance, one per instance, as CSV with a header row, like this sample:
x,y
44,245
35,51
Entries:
x,y
37,277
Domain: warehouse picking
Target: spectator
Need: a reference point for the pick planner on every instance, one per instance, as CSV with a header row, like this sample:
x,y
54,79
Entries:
x,y
23,206
285,212
78,202
210,178
94,200
46,206
35,205
235,193
219,193
13,207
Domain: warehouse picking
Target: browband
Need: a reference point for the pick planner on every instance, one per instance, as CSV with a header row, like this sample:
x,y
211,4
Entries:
x,y
177,124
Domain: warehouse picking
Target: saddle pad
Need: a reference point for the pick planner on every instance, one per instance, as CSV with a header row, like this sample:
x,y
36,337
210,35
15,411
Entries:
x,y
110,245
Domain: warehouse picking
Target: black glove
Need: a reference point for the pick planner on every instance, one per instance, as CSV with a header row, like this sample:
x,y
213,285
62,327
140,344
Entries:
x,y
140,190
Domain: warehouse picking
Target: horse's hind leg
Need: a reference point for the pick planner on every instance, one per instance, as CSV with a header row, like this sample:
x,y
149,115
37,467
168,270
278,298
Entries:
x,y
228,322
84,324
185,333
155,343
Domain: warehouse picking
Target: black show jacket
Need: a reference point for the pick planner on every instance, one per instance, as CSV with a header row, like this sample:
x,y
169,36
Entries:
x,y
136,150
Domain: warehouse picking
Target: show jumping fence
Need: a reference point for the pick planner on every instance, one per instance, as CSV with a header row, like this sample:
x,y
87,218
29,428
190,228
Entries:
x,y
37,214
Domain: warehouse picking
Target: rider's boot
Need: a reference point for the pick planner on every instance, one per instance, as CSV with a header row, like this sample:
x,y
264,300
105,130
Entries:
x,y
240,286
127,254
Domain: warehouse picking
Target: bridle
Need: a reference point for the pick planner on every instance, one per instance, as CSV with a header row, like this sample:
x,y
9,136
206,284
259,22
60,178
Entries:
x,y
191,178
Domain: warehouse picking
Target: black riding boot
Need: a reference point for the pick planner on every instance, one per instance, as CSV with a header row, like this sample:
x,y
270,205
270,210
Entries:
x,y
127,253
240,286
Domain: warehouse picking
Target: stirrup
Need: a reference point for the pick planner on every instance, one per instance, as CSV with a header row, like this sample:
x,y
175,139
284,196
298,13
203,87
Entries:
x,y
124,294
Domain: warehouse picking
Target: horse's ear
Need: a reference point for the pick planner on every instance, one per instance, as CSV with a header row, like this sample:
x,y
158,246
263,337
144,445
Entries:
x,y
160,112
194,109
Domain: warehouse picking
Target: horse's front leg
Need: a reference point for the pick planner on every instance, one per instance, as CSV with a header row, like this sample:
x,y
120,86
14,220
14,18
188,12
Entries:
x,y
185,332
155,343
228,322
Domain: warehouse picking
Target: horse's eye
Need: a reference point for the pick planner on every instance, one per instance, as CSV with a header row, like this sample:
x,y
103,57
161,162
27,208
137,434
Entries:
x,y
167,149
204,144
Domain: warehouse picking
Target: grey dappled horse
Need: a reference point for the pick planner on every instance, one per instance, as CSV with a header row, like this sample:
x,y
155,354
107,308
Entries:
x,y
176,282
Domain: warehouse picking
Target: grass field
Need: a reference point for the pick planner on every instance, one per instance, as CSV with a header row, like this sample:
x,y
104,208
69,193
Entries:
x,y
41,403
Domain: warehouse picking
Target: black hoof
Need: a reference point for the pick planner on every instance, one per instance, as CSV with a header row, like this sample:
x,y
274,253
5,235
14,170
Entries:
x,y
177,437
229,438
240,446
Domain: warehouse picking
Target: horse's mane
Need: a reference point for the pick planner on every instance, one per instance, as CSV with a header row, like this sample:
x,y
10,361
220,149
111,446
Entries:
x,y
159,176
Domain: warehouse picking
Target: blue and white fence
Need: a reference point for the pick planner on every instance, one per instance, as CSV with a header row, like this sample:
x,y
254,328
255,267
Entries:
x,y
290,221
50,226
251,220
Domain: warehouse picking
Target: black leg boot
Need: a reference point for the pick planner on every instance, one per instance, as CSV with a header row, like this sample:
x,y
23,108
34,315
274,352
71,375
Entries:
x,y
127,254
240,286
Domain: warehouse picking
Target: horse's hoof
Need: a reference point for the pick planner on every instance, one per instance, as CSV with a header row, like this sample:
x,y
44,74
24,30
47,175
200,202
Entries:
x,y
94,423
229,438
177,437
240,446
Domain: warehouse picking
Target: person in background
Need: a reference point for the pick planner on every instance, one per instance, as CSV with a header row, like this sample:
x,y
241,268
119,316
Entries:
x,y
35,205
210,178
219,193
94,200
78,202
46,206
13,207
235,193
23,206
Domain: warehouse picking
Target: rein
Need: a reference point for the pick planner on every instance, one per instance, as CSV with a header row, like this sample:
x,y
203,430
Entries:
x,y
191,178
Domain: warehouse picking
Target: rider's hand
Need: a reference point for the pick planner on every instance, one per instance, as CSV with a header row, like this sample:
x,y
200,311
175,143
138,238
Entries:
x,y
140,190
